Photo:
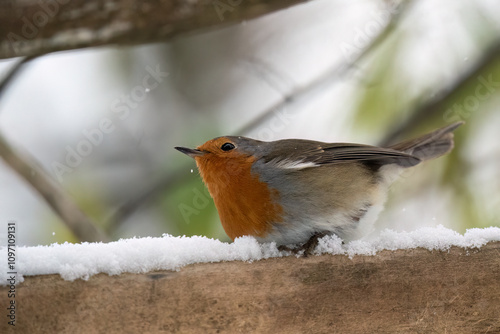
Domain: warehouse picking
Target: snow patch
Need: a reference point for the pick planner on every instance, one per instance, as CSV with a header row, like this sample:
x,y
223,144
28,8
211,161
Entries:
x,y
141,255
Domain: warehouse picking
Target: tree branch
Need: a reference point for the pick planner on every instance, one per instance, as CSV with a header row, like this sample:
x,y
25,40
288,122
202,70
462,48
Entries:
x,y
403,291
83,228
13,72
334,74
26,167
439,104
38,27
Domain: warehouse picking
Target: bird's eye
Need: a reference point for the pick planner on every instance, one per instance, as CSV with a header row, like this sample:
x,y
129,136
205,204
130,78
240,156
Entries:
x,y
227,147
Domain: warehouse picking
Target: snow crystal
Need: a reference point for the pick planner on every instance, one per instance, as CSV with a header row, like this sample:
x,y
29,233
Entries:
x,y
141,255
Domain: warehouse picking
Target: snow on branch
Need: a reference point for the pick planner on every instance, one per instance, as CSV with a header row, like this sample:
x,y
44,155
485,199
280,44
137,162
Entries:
x,y
141,255
432,280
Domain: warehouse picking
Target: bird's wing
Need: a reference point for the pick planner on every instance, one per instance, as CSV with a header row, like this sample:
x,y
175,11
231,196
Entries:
x,y
315,154
338,153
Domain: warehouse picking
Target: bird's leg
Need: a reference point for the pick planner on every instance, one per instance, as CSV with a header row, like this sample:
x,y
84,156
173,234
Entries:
x,y
285,248
311,244
308,247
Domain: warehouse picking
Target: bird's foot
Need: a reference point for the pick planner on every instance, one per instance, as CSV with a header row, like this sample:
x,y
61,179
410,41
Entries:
x,y
307,248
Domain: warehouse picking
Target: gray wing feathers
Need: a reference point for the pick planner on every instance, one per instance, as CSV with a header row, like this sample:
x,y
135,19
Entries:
x,y
338,153
323,154
406,154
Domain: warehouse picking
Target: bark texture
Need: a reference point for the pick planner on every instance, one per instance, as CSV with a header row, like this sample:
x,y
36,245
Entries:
x,y
406,291
32,27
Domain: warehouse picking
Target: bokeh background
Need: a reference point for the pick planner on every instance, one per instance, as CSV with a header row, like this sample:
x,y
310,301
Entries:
x,y
339,71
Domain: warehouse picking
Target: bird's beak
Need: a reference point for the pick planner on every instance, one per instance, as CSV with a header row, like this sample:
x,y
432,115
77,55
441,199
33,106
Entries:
x,y
193,153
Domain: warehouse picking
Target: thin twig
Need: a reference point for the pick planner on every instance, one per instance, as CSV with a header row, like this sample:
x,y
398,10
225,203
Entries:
x,y
437,105
300,94
59,201
13,72
125,210
330,76
26,167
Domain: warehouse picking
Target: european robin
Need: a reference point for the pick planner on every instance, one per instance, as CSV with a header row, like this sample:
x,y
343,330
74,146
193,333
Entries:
x,y
294,191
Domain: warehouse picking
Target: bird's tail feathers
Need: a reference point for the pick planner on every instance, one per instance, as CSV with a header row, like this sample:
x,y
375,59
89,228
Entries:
x,y
431,145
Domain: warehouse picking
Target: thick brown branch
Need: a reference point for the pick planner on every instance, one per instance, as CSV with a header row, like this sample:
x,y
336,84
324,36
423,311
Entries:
x,y
406,291
37,27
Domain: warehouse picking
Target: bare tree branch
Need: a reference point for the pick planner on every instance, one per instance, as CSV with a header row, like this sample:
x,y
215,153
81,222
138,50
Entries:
x,y
439,104
13,72
126,209
38,27
26,167
333,75
83,228
403,291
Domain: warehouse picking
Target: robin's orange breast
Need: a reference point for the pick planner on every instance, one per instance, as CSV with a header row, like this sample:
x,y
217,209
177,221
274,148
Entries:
x,y
246,205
